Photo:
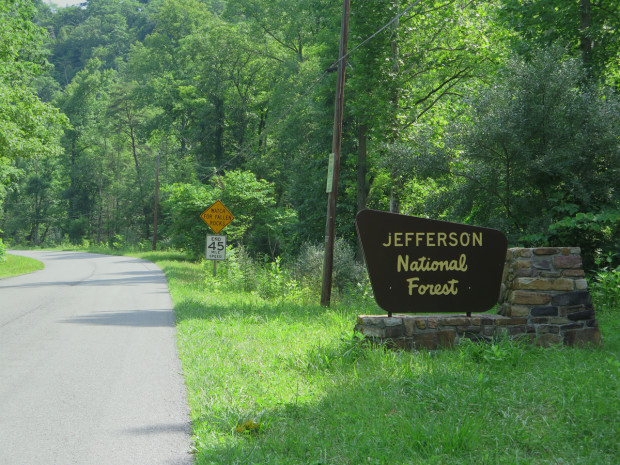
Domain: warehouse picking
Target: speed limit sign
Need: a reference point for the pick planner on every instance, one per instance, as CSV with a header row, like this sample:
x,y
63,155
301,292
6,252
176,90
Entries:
x,y
215,248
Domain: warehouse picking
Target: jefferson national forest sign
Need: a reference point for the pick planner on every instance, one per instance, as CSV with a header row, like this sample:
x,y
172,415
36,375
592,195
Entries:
x,y
418,265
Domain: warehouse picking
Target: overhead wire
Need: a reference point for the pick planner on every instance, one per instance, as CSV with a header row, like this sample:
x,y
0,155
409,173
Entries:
x,y
331,68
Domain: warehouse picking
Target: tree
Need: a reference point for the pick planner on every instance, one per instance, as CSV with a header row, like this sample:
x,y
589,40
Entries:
x,y
588,28
84,102
259,224
536,148
105,29
27,125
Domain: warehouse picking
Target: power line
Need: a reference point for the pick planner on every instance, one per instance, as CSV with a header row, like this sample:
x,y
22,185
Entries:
x,y
333,66
392,21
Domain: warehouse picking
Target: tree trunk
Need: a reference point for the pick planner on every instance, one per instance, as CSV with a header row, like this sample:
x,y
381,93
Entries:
x,y
585,41
100,216
261,127
135,157
219,131
72,188
394,200
362,185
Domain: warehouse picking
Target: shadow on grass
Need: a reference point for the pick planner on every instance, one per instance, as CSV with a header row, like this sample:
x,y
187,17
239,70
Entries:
x,y
157,256
431,410
369,405
236,307
352,424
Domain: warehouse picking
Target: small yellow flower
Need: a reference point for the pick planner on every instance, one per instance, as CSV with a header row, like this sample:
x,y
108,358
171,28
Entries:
x,y
248,426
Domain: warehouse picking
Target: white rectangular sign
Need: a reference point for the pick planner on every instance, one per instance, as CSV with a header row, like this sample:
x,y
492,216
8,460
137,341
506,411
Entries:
x,y
215,248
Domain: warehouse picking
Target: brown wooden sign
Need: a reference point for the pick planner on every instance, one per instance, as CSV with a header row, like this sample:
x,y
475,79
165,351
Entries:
x,y
418,265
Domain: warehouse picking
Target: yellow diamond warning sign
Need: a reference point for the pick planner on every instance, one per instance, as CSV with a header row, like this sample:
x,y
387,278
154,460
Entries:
x,y
217,216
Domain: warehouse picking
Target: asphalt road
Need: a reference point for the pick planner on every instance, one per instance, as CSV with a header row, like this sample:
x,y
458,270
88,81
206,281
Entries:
x,y
89,372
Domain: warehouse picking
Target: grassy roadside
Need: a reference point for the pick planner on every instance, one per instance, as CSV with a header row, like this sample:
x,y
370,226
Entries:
x,y
284,382
15,265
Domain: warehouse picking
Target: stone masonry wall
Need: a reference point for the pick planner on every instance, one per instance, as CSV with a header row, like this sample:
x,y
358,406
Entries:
x,y
544,298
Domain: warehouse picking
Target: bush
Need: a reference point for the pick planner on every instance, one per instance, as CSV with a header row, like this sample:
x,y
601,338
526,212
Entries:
x,y
269,280
595,233
2,251
347,273
299,281
238,272
605,285
260,224
117,242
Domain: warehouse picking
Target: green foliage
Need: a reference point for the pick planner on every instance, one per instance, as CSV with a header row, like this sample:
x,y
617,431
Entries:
x,y
27,125
259,224
605,284
237,273
320,395
117,242
243,89
537,148
275,283
307,267
587,27
267,279
184,203
296,280
501,351
596,232
2,251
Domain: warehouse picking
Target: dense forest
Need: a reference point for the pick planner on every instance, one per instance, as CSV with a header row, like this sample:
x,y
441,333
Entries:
x,y
499,113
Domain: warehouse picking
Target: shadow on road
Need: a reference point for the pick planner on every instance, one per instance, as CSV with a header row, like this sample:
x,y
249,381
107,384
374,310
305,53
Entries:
x,y
132,278
135,318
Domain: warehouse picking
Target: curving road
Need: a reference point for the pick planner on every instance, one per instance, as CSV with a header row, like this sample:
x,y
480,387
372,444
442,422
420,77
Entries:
x,y
89,372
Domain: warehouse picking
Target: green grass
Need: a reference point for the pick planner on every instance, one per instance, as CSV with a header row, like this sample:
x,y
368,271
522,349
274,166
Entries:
x,y
288,383
15,265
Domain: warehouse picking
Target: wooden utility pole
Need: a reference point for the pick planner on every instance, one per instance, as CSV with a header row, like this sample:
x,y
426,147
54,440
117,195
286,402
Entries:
x,y
332,184
156,203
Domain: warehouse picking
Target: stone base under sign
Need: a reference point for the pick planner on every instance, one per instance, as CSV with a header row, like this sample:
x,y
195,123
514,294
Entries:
x,y
544,299
438,331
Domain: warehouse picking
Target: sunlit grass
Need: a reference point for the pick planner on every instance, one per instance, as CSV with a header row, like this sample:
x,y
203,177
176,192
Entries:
x,y
15,265
320,396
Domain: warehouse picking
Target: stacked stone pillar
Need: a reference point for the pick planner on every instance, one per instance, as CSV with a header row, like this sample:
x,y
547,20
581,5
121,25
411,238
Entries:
x,y
547,287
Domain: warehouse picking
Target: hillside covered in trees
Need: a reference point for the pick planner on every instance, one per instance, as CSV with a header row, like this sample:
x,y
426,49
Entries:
x,y
500,113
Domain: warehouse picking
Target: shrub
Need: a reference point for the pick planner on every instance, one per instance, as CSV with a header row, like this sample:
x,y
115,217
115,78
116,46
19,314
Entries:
x,y
2,251
347,273
300,281
260,224
605,285
269,280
